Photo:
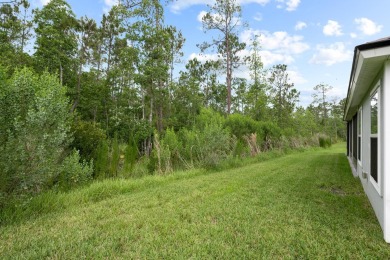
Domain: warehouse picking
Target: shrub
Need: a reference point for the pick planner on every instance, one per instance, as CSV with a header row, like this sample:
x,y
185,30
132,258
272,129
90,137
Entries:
x,y
240,125
102,160
214,145
34,130
115,157
87,137
324,141
172,143
208,116
241,149
131,155
189,142
268,135
74,173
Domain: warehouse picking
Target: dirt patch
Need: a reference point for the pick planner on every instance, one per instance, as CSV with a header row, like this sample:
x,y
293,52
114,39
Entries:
x,y
334,190
338,191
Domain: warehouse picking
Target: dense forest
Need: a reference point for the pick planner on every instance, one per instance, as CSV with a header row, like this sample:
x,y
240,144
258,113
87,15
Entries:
x,y
83,100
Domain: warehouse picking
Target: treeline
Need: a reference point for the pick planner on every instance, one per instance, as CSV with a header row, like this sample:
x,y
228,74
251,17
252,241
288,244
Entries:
x,y
100,100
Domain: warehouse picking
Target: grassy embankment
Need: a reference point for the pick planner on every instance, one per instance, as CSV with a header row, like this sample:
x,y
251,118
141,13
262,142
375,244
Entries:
x,y
303,205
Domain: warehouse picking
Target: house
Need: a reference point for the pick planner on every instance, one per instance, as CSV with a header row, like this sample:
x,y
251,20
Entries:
x,y
367,112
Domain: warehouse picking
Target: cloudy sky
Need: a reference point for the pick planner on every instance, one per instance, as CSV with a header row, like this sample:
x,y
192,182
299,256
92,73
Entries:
x,y
315,38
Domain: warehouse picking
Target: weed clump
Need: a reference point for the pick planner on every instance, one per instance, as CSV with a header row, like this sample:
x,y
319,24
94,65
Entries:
x,y
325,141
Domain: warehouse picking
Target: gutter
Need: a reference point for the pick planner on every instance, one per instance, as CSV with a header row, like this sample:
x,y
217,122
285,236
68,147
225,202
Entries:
x,y
384,42
353,70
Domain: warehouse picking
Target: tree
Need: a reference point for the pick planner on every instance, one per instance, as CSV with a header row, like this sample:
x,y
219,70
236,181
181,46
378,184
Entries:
x,y
257,99
239,100
15,29
56,42
321,101
86,30
284,97
225,17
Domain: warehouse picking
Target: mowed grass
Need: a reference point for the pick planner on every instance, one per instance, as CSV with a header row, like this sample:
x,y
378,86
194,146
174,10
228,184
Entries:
x,y
304,205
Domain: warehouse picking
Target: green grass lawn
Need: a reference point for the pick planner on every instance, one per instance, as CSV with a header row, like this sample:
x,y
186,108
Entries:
x,y
304,205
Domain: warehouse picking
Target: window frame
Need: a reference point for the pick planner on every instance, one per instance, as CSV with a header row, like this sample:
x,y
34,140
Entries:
x,y
360,136
376,184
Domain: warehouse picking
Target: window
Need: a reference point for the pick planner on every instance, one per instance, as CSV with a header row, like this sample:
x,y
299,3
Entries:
x,y
374,136
354,139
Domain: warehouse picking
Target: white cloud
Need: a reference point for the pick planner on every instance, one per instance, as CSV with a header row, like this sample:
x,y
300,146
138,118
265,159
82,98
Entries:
x,y
109,4
201,15
368,27
277,47
44,2
283,42
179,5
353,35
296,77
332,28
258,17
270,58
332,54
300,26
260,2
290,5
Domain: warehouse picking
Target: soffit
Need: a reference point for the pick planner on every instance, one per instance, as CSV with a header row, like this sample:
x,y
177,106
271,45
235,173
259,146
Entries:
x,y
368,65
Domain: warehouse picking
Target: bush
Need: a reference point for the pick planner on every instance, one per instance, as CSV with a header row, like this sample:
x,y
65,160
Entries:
x,y
241,149
74,173
240,125
34,131
87,137
189,141
269,135
325,141
102,162
214,145
172,143
131,155
115,157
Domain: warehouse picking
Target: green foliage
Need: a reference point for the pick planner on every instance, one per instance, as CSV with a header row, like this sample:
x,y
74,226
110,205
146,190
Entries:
x,y
102,162
240,125
241,149
189,141
208,116
34,123
172,143
269,135
115,157
74,173
131,155
87,137
214,145
56,42
284,97
324,141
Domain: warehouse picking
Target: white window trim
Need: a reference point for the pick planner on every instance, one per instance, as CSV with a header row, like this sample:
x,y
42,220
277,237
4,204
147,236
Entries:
x,y
377,185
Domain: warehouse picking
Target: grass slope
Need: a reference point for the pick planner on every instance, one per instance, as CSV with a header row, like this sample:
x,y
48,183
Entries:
x,y
305,205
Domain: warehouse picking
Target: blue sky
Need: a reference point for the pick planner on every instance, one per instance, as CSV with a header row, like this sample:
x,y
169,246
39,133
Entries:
x,y
315,38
